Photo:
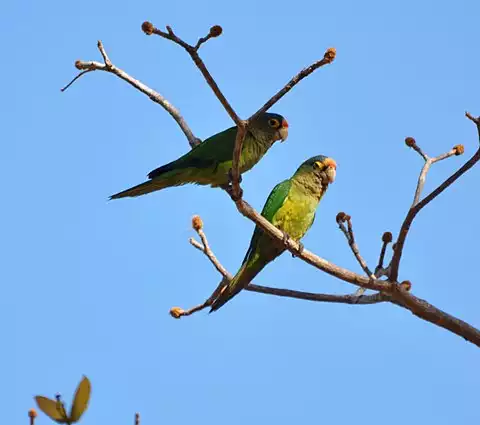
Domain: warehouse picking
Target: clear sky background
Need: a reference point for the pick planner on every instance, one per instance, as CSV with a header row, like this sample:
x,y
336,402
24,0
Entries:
x,y
87,284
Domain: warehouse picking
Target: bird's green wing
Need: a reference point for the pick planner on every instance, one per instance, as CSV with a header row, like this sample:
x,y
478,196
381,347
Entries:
x,y
214,150
274,203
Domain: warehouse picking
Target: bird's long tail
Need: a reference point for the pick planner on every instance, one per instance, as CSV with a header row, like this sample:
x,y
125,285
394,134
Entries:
x,y
243,277
159,180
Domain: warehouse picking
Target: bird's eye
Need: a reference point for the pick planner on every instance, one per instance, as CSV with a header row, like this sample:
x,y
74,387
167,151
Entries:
x,y
272,122
317,165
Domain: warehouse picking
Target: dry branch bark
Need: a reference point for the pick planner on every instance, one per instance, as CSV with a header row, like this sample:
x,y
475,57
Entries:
x,y
389,289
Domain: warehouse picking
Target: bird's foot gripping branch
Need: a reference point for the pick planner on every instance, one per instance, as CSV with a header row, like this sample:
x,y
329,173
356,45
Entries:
x,y
383,280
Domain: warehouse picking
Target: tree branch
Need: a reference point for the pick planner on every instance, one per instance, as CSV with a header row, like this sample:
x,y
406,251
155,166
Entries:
x,y
389,290
328,58
204,247
343,218
107,66
418,205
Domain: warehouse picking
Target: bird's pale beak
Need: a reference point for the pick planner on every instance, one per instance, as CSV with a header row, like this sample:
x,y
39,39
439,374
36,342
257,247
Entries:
x,y
283,130
331,170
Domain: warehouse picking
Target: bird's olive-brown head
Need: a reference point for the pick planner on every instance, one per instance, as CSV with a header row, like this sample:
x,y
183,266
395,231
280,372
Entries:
x,y
269,127
321,168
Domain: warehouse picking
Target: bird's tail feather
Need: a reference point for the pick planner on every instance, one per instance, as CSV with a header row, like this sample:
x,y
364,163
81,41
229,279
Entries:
x,y
244,276
162,181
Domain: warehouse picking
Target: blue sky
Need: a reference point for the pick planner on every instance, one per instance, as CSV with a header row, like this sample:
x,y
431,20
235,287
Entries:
x,y
87,284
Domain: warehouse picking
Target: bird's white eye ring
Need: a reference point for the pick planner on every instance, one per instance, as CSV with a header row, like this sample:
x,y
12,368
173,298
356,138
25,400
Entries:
x,y
317,164
272,122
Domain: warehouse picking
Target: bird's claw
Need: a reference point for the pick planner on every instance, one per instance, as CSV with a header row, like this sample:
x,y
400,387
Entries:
x,y
299,250
230,177
235,196
285,239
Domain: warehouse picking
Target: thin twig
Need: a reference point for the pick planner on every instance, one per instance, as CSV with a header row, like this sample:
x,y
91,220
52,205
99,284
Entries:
x,y
380,270
204,247
107,66
414,210
328,58
343,218
137,418
76,78
193,52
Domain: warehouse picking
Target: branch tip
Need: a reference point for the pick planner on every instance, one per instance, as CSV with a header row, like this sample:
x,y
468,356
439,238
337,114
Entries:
x,y
147,28
459,149
387,237
176,312
476,120
216,31
330,54
197,223
341,217
410,142
406,285
78,64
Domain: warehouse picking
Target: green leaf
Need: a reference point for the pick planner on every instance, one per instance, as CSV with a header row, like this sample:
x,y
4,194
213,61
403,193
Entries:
x,y
80,401
53,409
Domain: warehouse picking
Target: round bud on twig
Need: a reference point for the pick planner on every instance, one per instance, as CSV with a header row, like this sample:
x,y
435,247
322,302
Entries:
x,y
341,217
78,64
387,237
330,54
197,223
459,149
410,142
216,31
176,312
147,28
406,285
32,413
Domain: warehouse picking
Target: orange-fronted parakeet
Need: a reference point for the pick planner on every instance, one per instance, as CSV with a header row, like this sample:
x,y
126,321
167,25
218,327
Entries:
x,y
290,207
209,163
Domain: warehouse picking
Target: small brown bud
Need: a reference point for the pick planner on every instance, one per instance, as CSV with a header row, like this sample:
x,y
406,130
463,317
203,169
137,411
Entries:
x,y
387,237
147,28
216,31
32,413
197,223
459,149
341,217
330,54
410,142
406,285
176,312
78,64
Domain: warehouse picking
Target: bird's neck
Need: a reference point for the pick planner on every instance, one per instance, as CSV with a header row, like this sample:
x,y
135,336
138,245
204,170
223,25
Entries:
x,y
311,186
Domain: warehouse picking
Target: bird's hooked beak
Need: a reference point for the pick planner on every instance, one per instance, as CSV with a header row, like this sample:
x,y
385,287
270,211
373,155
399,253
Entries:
x,y
331,169
283,130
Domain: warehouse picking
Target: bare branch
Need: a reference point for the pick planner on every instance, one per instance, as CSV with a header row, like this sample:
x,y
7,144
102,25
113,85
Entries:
x,y
107,66
204,247
328,58
430,313
379,270
415,209
193,52
349,235
137,418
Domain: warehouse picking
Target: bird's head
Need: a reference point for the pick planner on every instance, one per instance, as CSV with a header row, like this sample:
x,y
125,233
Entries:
x,y
269,127
320,168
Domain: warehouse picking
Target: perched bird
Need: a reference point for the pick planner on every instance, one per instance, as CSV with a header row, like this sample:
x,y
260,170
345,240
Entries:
x,y
209,163
291,208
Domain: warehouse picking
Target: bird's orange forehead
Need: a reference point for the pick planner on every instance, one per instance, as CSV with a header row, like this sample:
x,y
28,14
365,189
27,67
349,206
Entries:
x,y
330,162
284,123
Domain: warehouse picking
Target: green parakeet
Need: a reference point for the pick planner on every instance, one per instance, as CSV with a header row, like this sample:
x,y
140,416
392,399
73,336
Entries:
x,y
290,207
209,163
